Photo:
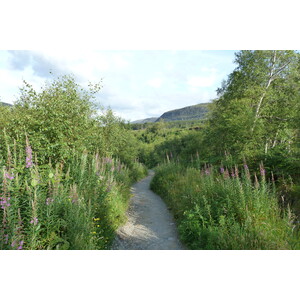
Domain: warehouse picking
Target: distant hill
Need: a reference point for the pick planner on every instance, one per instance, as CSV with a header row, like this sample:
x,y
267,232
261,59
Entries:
x,y
5,104
194,112
148,120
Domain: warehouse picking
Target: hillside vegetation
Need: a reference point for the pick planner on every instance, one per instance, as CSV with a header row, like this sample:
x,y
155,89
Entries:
x,y
194,112
65,170
234,182
188,113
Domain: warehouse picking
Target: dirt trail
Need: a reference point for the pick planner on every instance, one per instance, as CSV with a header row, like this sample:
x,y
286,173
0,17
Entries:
x,y
150,225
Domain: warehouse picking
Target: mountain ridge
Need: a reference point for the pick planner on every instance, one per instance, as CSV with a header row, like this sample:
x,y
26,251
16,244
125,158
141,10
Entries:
x,y
5,104
192,112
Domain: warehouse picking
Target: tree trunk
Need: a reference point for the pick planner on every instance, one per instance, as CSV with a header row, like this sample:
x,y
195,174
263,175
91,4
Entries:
x,y
270,79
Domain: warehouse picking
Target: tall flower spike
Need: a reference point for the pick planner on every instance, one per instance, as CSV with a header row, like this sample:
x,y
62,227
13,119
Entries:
x,y
262,170
29,162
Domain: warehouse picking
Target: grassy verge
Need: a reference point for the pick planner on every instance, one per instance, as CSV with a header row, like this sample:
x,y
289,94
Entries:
x,y
76,205
225,209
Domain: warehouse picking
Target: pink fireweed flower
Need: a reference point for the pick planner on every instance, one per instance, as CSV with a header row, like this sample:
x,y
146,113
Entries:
x,y
6,239
247,172
5,202
34,221
29,162
262,170
49,200
20,245
8,176
222,170
108,160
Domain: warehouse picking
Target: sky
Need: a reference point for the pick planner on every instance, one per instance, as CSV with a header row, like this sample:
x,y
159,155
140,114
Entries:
x,y
136,84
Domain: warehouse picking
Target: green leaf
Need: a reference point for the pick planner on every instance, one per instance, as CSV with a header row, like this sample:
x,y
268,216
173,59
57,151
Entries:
x,y
34,182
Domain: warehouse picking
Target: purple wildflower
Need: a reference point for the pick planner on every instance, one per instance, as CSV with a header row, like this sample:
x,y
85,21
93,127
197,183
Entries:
x,y
34,221
5,202
246,167
8,176
222,170
29,162
108,160
207,171
49,200
20,245
13,244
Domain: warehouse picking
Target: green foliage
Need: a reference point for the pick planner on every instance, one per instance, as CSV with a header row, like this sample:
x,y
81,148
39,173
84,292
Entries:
x,y
225,210
256,114
255,119
65,171
74,206
61,119
194,112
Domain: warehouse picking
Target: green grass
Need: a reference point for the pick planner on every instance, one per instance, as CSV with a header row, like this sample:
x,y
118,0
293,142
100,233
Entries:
x,y
76,205
225,209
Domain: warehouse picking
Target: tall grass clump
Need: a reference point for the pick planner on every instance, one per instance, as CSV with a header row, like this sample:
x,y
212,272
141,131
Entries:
x,y
225,208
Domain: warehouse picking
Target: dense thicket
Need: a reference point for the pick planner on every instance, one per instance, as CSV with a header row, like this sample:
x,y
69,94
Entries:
x,y
65,170
257,112
62,118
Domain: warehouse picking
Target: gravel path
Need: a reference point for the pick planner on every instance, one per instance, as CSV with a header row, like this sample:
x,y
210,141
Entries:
x,y
150,225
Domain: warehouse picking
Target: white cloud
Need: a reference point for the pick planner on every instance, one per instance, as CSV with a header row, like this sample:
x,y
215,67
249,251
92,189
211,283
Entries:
x,y
201,81
119,62
136,84
12,81
155,82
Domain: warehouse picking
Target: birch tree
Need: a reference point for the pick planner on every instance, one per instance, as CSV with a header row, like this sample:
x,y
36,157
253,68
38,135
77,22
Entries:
x,y
257,106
